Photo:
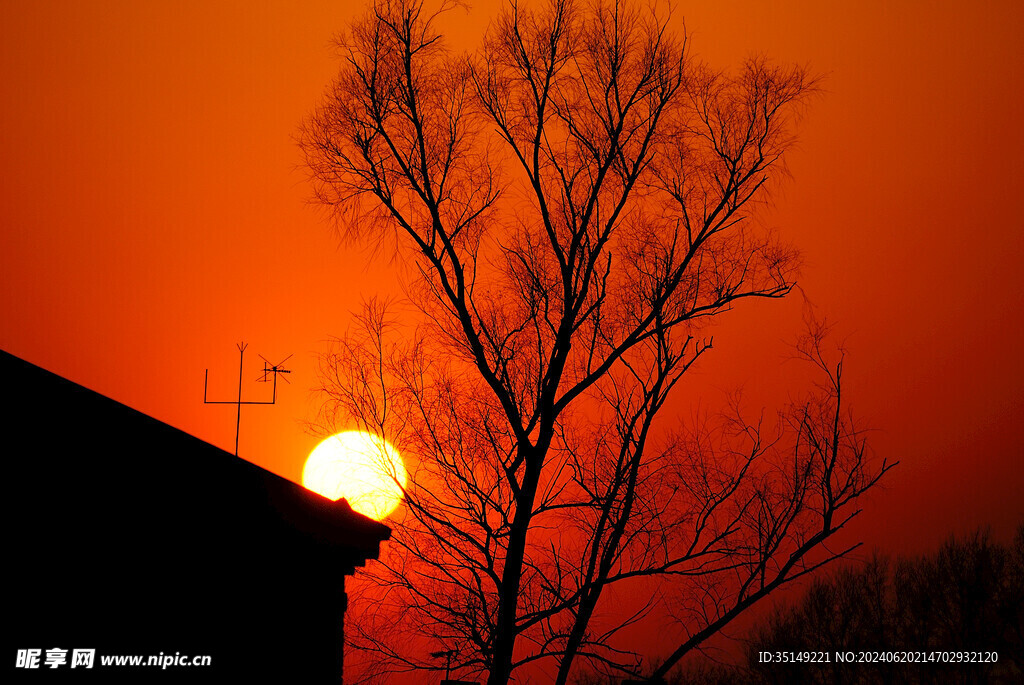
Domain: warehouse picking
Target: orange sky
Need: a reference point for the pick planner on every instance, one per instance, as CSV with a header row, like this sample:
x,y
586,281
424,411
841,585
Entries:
x,y
154,214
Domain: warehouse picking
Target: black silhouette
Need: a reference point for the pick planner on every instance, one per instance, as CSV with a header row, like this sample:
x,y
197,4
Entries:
x,y
125,535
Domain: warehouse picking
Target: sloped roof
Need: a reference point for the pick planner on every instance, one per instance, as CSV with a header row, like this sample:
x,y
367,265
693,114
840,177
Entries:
x,y
83,441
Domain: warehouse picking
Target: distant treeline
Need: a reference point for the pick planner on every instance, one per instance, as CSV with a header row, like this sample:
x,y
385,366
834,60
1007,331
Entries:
x,y
964,601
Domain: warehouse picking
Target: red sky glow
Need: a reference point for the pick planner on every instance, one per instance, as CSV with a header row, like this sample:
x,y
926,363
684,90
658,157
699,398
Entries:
x,y
154,213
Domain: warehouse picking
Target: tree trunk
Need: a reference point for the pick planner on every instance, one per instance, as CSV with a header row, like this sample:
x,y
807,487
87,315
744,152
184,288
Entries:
x,y
512,575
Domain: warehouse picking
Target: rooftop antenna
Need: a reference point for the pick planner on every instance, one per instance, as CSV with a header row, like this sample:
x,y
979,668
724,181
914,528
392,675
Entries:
x,y
270,372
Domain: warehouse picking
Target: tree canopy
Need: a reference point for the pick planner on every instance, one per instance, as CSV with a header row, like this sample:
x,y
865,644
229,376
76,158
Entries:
x,y
575,201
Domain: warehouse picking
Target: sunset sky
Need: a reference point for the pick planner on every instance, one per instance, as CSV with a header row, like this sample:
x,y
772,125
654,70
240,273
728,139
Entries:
x,y
155,213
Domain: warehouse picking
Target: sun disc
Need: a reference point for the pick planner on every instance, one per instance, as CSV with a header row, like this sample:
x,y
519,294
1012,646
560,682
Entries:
x,y
361,467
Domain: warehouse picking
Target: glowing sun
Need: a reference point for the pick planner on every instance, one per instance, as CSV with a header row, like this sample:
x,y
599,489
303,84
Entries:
x,y
361,467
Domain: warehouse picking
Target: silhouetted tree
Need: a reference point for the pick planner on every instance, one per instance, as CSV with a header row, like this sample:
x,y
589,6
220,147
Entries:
x,y
573,200
967,596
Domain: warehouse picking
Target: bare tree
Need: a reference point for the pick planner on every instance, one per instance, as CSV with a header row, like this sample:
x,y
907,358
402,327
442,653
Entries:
x,y
965,596
574,200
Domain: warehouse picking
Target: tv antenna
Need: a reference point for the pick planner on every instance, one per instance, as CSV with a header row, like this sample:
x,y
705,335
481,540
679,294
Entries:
x,y
270,373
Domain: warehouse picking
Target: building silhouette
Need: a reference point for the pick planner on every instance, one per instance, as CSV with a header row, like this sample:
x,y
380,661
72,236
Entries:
x,y
130,537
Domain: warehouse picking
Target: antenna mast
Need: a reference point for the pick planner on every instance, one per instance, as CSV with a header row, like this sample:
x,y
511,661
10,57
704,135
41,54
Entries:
x,y
270,372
